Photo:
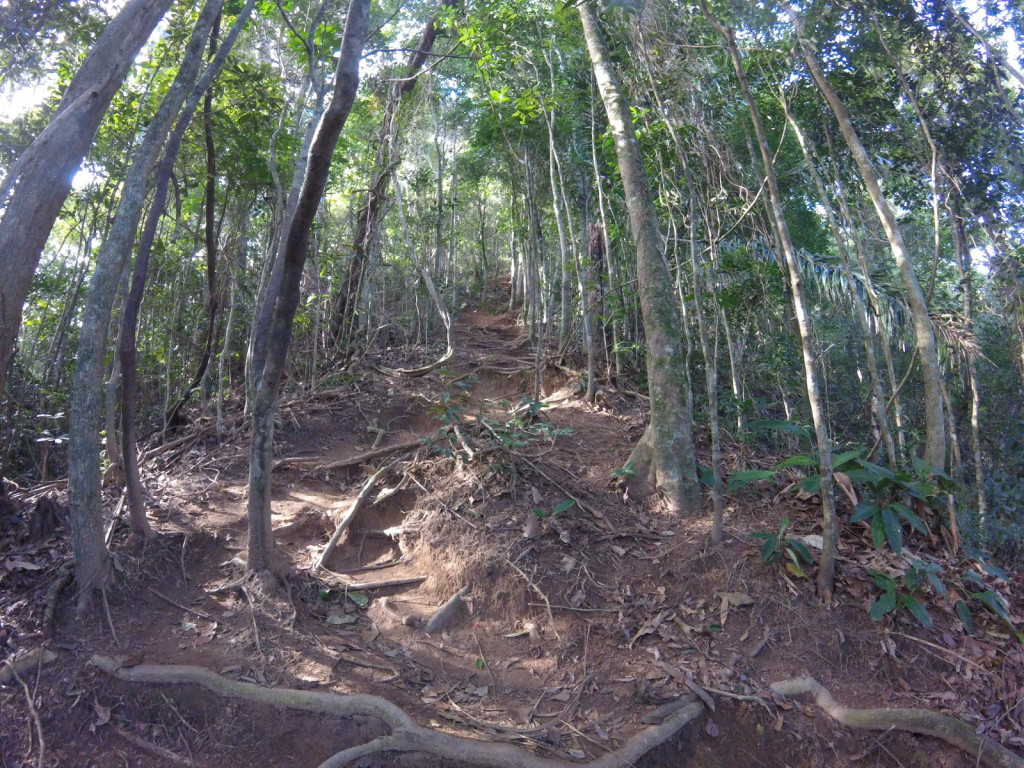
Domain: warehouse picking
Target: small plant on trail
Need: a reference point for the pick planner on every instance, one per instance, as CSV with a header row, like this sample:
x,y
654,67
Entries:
x,y
559,508
777,546
887,510
903,592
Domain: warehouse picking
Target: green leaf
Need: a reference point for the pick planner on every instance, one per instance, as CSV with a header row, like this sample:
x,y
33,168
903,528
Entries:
x,y
745,477
800,550
877,531
562,506
359,598
800,460
810,484
843,458
993,570
893,530
768,553
886,603
863,511
480,664
964,614
917,609
540,512
994,602
911,517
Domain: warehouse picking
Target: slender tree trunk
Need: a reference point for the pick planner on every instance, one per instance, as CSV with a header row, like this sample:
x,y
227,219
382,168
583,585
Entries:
x,y
127,338
830,528
963,258
675,468
262,549
36,187
877,393
935,428
210,241
91,559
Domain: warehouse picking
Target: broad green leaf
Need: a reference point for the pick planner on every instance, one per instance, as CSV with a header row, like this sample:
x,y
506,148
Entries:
x,y
916,607
877,531
863,511
964,614
800,460
842,459
893,530
886,603
562,506
799,551
745,477
994,602
810,484
993,570
911,517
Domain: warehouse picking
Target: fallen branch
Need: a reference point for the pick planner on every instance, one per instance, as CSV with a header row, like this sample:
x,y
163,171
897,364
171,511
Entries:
x,y
349,516
920,721
351,462
405,735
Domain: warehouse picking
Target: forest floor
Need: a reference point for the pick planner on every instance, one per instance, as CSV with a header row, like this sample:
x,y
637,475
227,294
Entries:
x,y
576,625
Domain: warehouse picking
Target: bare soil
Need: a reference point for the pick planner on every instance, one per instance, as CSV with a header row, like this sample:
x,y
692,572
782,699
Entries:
x,y
576,625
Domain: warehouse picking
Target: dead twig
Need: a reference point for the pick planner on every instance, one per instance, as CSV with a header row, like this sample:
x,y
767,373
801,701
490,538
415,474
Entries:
x,y
41,760
351,462
153,749
176,604
540,593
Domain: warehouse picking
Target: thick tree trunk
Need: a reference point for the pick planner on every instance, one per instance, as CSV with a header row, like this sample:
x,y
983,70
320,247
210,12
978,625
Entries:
x,y
671,430
43,173
293,255
924,333
830,529
85,514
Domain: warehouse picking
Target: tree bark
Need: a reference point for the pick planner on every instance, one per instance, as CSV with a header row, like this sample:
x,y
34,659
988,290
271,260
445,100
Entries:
x,y
675,468
44,171
924,333
295,248
85,514
830,529
127,343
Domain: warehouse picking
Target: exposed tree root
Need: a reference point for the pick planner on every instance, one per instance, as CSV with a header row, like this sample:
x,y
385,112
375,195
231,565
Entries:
x,y
414,373
405,735
920,721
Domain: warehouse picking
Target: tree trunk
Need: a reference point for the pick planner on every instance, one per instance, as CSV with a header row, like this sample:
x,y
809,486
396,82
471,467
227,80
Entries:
x,y
127,338
675,468
877,393
44,171
830,529
935,428
294,250
85,513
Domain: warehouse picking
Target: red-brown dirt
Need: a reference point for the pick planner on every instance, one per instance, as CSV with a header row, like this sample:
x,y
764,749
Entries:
x,y
577,624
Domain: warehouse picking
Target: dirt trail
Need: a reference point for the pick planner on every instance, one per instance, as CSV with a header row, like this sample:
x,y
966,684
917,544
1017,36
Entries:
x,y
577,624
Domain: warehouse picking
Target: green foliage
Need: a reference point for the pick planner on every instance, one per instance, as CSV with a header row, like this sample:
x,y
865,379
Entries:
x,y
887,510
778,546
558,509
